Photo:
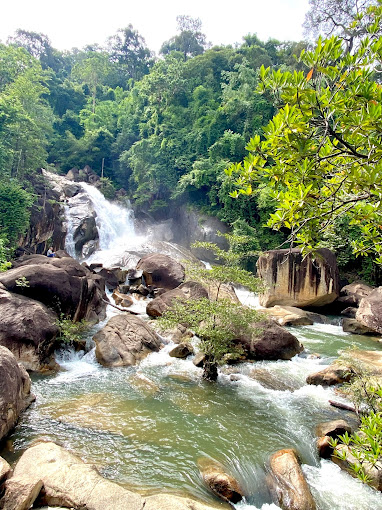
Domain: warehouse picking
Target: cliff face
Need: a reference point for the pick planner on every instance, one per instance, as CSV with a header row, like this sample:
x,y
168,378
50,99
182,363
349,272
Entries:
x,y
293,280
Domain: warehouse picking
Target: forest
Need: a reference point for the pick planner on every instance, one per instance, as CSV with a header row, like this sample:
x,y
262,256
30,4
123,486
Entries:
x,y
165,128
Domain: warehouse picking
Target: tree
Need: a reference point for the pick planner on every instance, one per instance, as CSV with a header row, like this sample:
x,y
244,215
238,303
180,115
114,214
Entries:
x,y
337,17
190,41
322,152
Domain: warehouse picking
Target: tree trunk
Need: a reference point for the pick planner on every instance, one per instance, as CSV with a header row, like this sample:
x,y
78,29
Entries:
x,y
210,369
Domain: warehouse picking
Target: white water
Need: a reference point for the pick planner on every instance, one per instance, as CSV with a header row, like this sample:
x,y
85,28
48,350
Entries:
x,y
251,416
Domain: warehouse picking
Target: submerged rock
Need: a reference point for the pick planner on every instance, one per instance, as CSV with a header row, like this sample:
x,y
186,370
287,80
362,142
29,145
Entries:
x,y
222,484
287,483
294,280
161,271
125,340
168,502
15,392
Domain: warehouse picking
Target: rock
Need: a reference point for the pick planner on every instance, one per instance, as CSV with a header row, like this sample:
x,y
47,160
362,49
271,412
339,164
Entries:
x,y
324,449
161,271
371,361
28,329
293,316
287,482
373,472
356,328
222,484
143,384
187,290
15,391
294,280
179,334
349,312
5,470
62,284
143,290
370,310
20,494
269,341
125,340
226,291
110,277
182,350
168,502
199,359
271,381
334,374
122,299
333,428
352,294
69,482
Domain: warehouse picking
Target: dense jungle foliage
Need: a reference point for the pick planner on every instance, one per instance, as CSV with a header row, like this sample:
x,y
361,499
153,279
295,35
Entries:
x,y
163,127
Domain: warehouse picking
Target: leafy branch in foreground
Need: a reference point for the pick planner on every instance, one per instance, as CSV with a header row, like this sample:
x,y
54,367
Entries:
x,y
218,324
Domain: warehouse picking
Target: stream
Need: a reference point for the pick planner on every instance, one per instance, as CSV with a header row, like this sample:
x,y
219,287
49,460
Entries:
x,y
146,426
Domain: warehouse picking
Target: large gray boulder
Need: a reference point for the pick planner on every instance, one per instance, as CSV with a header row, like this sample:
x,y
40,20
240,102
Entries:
x,y
287,483
294,280
28,329
15,394
370,311
124,341
62,284
161,271
188,290
352,294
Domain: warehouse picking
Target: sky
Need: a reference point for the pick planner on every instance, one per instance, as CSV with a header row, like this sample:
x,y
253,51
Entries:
x,y
75,23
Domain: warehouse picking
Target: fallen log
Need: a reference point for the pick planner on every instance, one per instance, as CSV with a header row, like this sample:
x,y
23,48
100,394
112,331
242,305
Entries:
x,y
119,308
339,405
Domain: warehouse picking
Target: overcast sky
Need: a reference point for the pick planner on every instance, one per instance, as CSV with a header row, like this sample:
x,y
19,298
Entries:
x,y
75,23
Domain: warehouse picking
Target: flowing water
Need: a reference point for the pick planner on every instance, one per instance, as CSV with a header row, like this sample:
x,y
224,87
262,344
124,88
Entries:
x,y
147,426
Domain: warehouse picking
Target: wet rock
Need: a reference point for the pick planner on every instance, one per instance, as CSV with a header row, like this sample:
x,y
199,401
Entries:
x,y
124,341
28,329
324,449
269,341
356,328
287,483
352,293
122,299
71,483
143,290
270,381
374,473
333,428
330,376
15,394
187,290
144,384
182,350
349,312
20,494
370,311
62,284
5,470
110,277
161,271
168,502
222,484
294,280
199,359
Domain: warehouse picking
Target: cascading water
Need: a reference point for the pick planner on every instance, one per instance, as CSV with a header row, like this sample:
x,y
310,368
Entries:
x,y
147,426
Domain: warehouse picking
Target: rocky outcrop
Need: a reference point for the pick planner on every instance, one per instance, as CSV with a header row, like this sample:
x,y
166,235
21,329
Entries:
x,y
221,483
293,280
187,290
85,174
269,341
370,311
28,329
15,395
356,328
161,271
61,284
352,294
292,316
125,340
287,483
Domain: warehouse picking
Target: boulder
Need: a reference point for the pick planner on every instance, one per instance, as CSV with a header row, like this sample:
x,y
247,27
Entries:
x,y
122,299
28,329
168,502
222,484
370,360
69,482
84,232
334,374
352,293
324,448
62,284
293,316
182,350
374,473
111,278
5,470
370,310
333,428
20,494
125,340
199,359
287,483
82,216
294,280
269,341
15,391
350,312
187,290
161,271
356,328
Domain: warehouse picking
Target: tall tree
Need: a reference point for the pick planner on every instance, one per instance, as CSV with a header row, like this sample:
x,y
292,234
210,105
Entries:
x,y
190,41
